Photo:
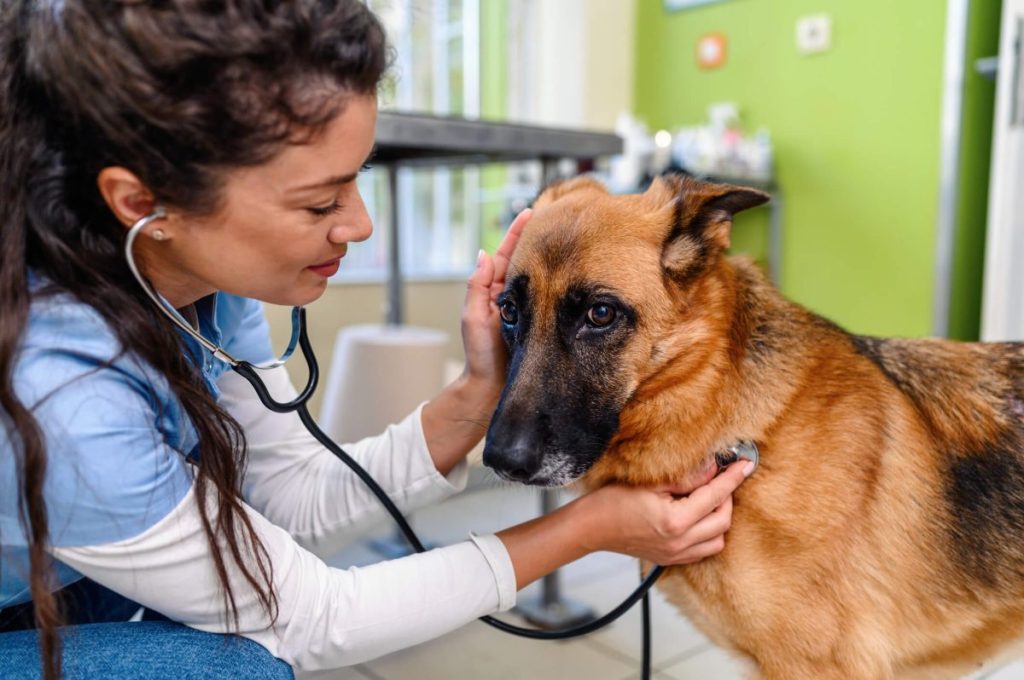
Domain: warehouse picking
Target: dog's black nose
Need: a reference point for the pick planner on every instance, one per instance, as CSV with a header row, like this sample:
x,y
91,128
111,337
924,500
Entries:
x,y
517,460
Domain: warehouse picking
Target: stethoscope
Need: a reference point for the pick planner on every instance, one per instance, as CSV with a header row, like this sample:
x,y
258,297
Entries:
x,y
299,405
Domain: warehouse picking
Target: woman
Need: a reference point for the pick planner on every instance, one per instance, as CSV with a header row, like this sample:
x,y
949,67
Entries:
x,y
134,468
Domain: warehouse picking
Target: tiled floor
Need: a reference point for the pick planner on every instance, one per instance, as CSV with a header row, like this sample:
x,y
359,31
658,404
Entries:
x,y
601,581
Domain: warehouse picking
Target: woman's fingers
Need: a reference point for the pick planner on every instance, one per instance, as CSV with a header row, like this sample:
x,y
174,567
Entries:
x,y
696,553
505,250
706,498
703,539
478,288
706,515
716,523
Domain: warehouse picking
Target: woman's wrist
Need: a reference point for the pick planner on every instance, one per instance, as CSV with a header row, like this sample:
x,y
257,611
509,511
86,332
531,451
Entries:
x,y
590,524
477,394
456,419
546,543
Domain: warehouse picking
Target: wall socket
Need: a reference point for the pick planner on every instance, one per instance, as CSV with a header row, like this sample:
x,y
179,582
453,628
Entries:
x,y
814,34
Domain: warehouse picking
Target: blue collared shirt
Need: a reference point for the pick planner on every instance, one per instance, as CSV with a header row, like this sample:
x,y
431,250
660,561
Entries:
x,y
116,437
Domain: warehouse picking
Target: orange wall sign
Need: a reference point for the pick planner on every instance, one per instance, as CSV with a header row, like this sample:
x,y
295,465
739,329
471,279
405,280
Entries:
x,y
711,50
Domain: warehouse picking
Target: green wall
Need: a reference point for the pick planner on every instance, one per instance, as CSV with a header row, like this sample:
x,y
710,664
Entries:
x,y
856,134
976,160
493,106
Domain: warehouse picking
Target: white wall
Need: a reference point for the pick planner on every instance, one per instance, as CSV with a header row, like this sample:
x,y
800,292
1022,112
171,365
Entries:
x,y
1003,308
575,59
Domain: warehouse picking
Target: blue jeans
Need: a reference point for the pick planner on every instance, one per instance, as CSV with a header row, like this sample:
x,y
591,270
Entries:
x,y
100,643
156,650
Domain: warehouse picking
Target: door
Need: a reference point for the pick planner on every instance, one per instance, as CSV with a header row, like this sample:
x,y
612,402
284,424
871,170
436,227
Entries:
x,y
1003,302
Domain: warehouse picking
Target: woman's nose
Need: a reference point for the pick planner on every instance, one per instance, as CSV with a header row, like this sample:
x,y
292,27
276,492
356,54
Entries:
x,y
355,226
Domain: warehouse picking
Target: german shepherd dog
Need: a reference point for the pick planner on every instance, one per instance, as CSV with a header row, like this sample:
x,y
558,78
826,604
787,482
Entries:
x,y
883,533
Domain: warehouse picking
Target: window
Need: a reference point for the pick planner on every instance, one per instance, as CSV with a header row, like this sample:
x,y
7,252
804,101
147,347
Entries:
x,y
441,208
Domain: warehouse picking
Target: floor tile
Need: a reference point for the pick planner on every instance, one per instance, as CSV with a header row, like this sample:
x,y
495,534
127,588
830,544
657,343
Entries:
x,y
353,673
485,510
1013,671
672,635
710,663
478,651
714,663
482,511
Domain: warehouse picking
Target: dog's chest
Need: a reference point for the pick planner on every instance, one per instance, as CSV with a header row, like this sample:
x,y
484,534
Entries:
x,y
696,591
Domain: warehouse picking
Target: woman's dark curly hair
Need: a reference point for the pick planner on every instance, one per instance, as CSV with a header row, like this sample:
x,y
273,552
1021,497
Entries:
x,y
179,92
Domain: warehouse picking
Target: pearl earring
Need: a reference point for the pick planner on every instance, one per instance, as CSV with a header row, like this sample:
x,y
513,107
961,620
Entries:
x,y
159,235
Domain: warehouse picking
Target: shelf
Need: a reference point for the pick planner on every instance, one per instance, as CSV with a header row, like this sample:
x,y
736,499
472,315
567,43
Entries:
x,y
411,138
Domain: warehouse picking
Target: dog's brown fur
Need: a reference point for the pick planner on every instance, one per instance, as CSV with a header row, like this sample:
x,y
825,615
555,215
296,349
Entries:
x,y
883,534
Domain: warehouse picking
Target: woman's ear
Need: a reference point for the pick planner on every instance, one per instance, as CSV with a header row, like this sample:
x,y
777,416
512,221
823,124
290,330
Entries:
x,y
125,194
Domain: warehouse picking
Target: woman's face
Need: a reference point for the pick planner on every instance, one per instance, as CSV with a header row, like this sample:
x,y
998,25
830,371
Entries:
x,y
282,227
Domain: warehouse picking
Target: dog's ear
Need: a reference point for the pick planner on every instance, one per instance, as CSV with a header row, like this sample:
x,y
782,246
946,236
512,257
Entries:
x,y
560,187
700,219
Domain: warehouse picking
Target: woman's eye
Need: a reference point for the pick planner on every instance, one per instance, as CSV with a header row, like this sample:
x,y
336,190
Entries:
x,y
324,211
601,315
509,313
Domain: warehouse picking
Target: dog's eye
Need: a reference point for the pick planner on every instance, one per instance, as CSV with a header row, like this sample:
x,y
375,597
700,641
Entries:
x,y
509,313
601,315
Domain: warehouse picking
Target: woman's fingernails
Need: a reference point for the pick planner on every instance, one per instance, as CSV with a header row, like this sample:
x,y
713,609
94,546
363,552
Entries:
x,y
748,469
479,258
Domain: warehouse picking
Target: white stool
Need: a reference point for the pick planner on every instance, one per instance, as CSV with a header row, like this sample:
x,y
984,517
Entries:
x,y
378,376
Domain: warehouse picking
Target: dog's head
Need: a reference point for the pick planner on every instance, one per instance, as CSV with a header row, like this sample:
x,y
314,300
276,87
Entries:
x,y
600,294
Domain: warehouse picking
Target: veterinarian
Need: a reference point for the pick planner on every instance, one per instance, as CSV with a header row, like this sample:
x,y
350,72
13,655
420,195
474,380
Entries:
x,y
137,470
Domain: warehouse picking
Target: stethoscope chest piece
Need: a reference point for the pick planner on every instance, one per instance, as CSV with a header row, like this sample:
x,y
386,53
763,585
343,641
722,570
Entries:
x,y
744,449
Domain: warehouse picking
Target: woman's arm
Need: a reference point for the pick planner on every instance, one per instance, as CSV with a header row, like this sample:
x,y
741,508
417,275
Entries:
x,y
302,487
455,420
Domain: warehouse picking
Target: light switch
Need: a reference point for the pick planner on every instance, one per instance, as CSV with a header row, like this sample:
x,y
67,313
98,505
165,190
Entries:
x,y
814,34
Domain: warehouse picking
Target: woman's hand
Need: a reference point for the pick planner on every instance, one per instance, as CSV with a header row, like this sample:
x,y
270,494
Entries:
x,y
653,524
486,357
658,526
455,420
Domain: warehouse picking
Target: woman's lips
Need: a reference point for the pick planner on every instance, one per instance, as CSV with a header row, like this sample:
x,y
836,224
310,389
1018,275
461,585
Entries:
x,y
326,269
